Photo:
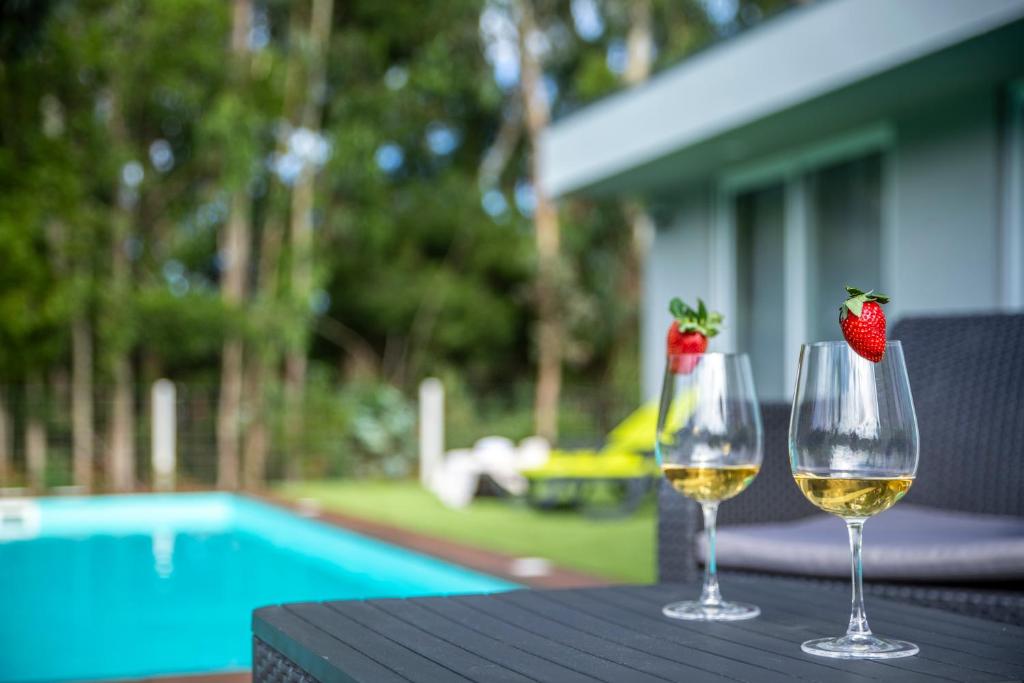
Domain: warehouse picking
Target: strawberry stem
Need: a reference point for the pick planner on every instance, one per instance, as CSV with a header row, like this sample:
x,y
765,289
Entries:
x,y
858,297
695,320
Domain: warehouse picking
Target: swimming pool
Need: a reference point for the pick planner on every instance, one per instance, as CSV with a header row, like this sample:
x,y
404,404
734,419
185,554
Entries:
x,y
128,586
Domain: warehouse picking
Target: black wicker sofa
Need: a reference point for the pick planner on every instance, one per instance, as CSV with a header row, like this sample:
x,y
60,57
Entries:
x,y
956,542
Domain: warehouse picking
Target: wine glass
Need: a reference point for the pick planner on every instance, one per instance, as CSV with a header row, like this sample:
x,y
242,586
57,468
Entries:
x,y
709,448
853,448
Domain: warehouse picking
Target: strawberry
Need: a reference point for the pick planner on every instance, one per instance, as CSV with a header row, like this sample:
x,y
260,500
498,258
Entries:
x,y
689,334
863,322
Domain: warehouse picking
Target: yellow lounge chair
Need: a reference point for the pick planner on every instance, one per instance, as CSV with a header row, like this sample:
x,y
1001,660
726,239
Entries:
x,y
610,482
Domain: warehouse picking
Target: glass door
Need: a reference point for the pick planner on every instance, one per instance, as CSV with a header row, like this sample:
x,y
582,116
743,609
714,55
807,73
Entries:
x,y
760,295
845,221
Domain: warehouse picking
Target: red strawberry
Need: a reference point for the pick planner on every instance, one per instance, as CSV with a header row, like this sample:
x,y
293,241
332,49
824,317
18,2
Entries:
x,y
689,334
863,323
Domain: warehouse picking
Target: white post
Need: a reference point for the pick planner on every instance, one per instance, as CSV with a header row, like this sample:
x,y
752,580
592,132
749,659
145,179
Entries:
x,y
164,448
431,428
798,263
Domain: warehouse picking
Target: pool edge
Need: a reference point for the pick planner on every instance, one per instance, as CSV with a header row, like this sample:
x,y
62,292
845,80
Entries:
x,y
496,564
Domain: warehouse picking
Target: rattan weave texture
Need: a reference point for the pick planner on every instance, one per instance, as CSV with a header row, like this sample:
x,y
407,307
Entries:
x,y
967,377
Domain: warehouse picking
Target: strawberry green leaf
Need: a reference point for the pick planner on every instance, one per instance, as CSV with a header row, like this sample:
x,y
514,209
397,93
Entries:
x,y
677,308
699,320
858,298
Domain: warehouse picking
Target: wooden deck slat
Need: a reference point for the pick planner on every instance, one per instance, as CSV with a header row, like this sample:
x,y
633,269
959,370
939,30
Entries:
x,y
472,666
618,635
768,638
636,634
494,649
740,657
295,638
776,634
664,658
636,664
977,631
960,649
395,656
806,624
593,667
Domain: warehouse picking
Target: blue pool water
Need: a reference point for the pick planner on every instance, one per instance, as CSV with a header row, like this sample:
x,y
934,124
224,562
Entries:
x,y
128,586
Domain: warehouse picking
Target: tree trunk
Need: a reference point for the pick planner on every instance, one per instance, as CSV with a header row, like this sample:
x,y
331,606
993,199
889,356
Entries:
x,y
121,416
548,237
81,402
69,266
639,43
121,428
259,373
35,435
235,248
301,285
640,51
257,443
236,251
301,235
5,440
228,414
261,362
120,456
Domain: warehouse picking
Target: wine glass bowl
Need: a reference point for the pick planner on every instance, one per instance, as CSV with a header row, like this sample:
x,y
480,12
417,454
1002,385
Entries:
x,y
709,448
853,446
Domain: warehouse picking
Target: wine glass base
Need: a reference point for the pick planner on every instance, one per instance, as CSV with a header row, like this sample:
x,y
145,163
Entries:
x,y
859,647
693,610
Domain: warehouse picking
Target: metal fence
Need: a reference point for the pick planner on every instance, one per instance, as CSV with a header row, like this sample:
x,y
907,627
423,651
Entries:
x,y
37,442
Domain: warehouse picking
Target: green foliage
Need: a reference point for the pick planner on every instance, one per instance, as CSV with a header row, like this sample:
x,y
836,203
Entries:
x,y
382,423
473,414
162,317
31,308
360,429
127,128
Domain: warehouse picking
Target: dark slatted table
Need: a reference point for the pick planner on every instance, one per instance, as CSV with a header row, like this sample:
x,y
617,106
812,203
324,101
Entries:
x,y
616,635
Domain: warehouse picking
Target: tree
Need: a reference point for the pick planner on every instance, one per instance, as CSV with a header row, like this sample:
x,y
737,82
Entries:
x,y
550,332
301,222
235,247
343,197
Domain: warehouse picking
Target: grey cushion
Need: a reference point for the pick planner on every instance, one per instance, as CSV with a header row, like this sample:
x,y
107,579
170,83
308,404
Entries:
x,y
908,542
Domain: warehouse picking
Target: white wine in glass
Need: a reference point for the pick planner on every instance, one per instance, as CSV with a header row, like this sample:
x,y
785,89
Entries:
x,y
710,484
853,497
853,448
709,449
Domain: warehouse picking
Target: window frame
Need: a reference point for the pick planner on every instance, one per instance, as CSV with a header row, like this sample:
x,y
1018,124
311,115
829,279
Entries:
x,y
1012,209
791,170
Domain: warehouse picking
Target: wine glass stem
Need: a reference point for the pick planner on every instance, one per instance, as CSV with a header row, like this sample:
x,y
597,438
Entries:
x,y
858,617
710,595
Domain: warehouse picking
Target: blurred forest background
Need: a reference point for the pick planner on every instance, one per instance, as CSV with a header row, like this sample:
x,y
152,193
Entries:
x,y
298,210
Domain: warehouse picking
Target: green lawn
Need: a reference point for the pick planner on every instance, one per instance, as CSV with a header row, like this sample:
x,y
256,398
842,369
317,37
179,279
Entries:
x,y
621,549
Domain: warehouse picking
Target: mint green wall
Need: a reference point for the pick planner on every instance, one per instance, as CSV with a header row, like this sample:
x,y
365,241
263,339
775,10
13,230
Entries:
x,y
945,255
678,265
941,248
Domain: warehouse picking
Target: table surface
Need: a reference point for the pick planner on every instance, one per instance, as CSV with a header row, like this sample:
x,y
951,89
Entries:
x,y
618,635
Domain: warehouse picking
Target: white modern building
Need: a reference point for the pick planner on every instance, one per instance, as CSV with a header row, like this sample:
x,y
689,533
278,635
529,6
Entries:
x,y
873,142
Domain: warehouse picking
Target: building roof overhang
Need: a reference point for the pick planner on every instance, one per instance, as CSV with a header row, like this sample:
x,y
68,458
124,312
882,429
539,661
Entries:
x,y
692,117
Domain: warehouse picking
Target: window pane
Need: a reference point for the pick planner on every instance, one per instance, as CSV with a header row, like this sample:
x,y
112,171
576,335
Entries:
x,y
760,298
846,220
